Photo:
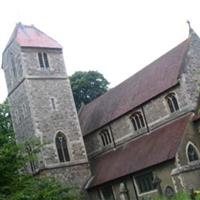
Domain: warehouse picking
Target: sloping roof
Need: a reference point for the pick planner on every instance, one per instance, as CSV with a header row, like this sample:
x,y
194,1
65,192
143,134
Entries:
x,y
139,88
149,150
30,36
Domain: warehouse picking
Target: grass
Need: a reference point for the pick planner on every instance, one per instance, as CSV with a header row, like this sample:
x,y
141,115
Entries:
x,y
178,196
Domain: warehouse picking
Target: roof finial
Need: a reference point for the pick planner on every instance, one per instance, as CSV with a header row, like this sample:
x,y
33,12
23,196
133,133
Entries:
x,y
190,28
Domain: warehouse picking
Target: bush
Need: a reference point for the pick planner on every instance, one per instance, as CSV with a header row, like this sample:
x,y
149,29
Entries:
x,y
179,196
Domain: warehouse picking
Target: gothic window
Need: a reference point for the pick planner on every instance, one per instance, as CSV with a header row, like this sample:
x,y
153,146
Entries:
x,y
137,120
145,182
43,60
105,137
61,145
107,193
192,152
172,102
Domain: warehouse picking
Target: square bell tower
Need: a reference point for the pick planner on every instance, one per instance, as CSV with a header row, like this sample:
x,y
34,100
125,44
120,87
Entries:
x,y
42,105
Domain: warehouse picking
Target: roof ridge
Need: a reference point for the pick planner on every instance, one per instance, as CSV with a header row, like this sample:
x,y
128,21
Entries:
x,y
135,74
30,36
135,90
148,134
160,146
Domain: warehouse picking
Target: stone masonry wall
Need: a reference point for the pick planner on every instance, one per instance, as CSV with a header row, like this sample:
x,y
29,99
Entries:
x,y
42,105
191,72
12,65
162,171
156,112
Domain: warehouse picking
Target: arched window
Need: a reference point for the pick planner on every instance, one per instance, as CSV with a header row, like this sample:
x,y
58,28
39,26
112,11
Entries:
x,y
61,145
137,120
192,152
172,102
43,60
105,137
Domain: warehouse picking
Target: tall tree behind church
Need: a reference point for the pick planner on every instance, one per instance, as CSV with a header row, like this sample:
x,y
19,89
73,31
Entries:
x,y
87,86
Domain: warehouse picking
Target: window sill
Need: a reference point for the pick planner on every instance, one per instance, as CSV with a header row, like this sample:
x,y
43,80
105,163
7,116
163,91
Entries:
x,y
146,193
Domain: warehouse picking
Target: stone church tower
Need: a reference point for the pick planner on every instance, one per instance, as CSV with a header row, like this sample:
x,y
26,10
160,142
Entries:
x,y
42,104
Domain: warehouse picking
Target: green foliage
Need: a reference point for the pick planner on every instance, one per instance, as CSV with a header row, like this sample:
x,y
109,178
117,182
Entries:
x,y
16,184
86,86
179,196
33,188
5,119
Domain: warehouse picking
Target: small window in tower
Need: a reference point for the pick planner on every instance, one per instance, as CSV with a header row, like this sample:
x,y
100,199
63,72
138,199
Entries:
x,y
46,62
24,110
53,104
43,60
192,152
105,137
13,65
137,121
172,102
61,145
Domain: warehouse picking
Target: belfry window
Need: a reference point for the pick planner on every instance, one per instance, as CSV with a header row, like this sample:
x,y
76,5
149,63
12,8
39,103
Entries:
x,y
137,120
61,145
105,137
172,102
192,152
43,60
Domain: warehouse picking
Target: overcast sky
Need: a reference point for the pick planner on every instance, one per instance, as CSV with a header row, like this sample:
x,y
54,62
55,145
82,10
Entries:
x,y
115,37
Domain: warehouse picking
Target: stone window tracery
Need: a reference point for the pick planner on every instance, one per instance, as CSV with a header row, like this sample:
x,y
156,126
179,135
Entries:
x,y
172,102
61,145
105,137
137,121
192,152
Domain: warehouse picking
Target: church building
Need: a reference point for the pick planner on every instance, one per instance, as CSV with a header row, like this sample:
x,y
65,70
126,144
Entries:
x,y
139,140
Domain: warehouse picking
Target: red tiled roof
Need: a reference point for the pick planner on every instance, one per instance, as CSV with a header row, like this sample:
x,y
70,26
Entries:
x,y
149,150
139,88
30,36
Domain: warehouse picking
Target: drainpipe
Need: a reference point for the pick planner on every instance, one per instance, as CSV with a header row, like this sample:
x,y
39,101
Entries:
x,y
145,119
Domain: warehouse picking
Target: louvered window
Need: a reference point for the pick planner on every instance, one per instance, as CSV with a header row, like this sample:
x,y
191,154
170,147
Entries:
x,y
43,60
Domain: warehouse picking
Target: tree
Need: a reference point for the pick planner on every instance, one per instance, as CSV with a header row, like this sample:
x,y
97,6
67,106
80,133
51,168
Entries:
x,y
15,185
86,86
